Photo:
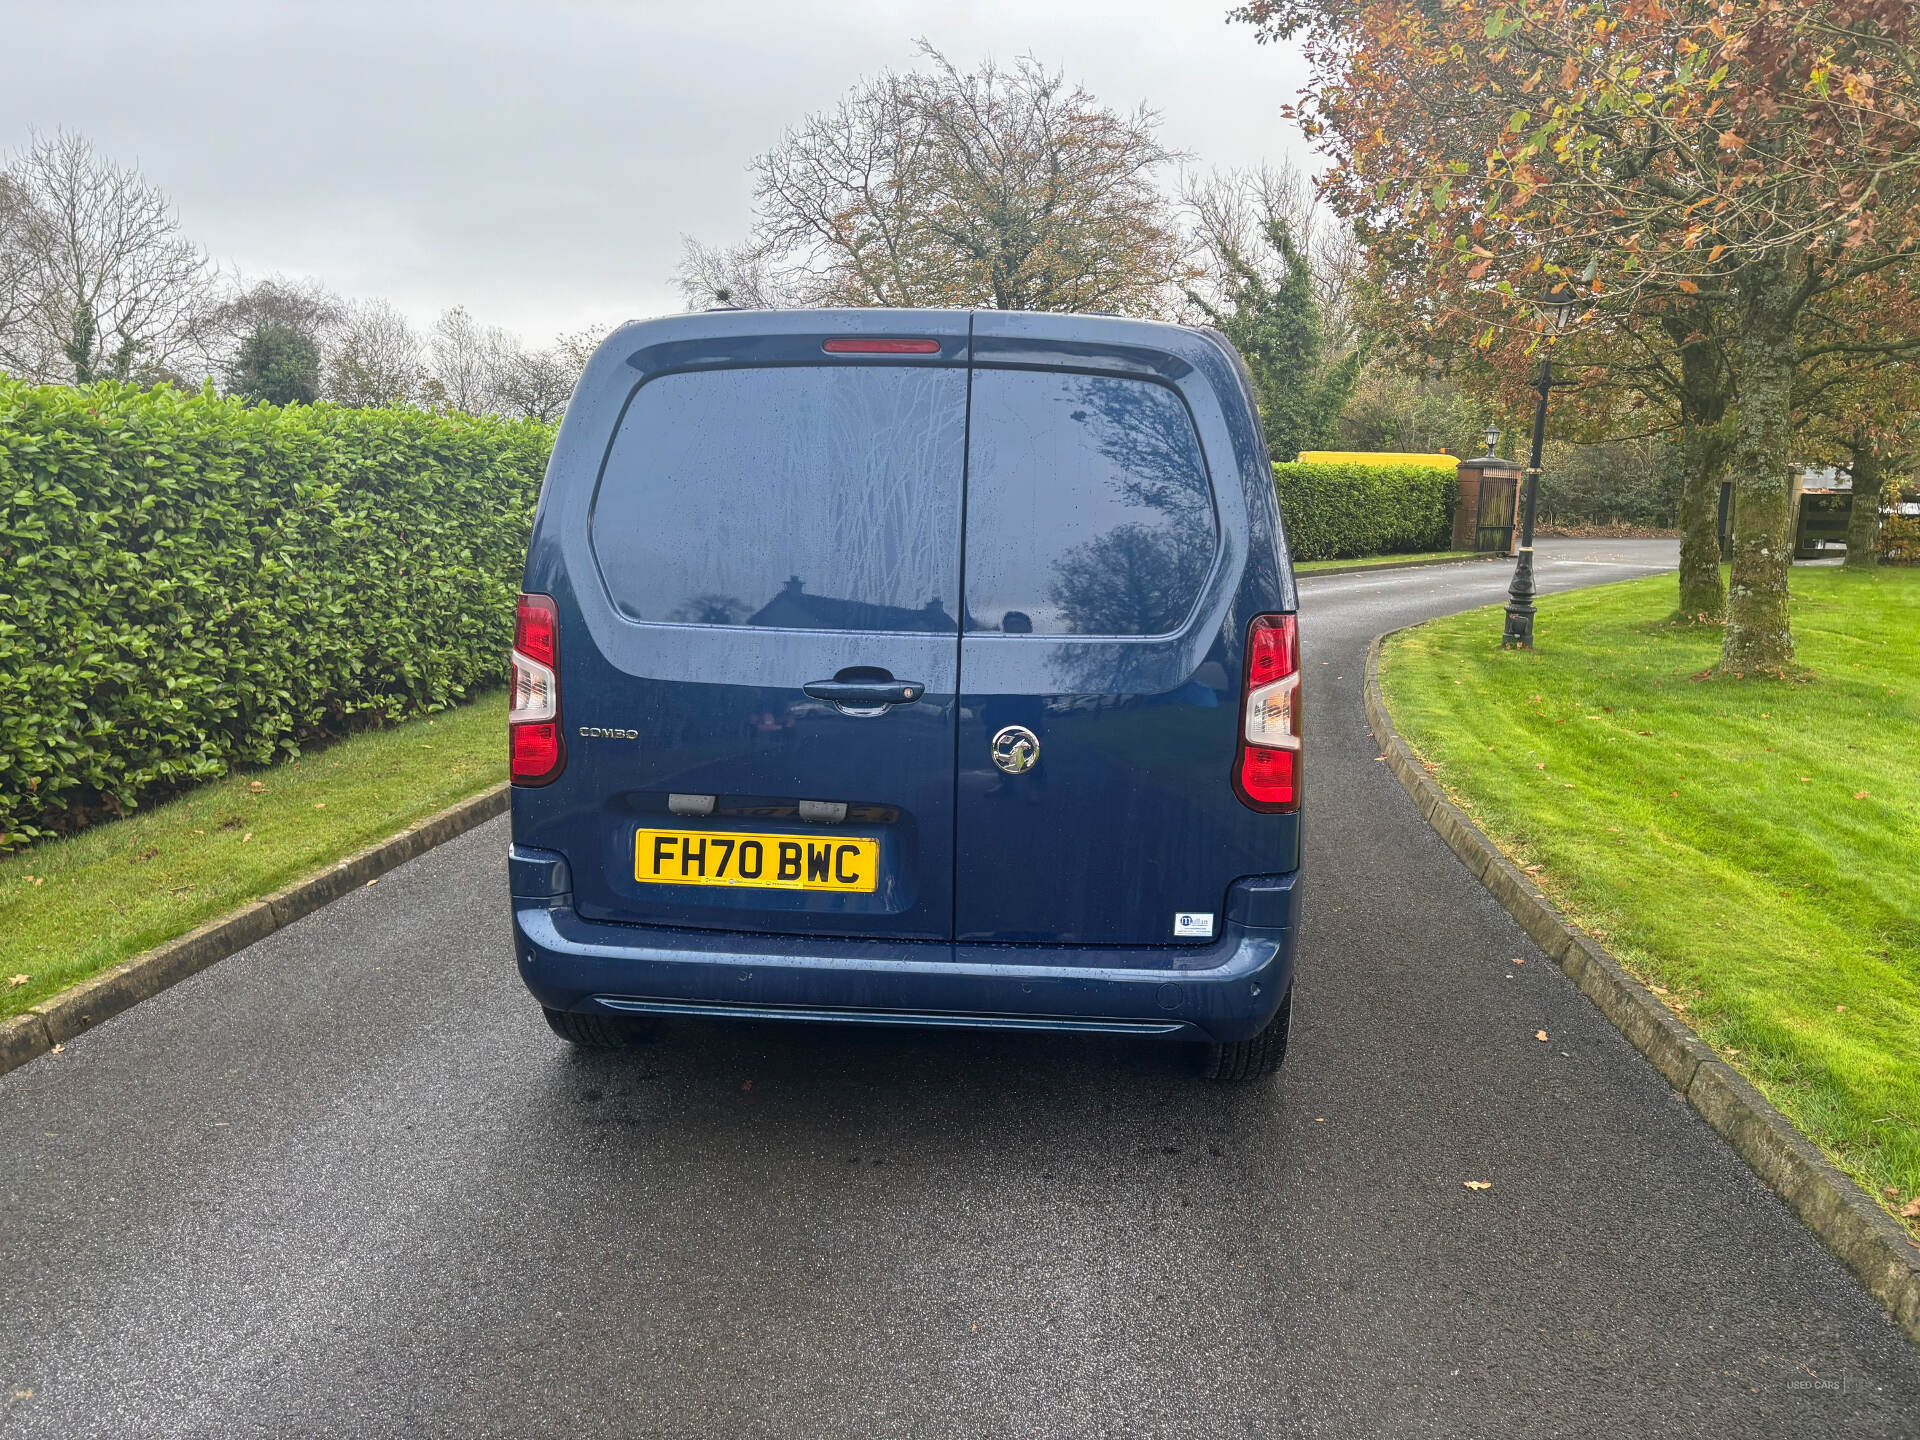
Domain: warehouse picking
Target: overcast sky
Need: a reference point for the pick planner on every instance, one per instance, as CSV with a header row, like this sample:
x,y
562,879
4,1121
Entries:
x,y
538,162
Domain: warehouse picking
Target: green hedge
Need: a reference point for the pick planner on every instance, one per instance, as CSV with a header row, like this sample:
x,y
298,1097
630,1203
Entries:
x,y
1336,512
188,583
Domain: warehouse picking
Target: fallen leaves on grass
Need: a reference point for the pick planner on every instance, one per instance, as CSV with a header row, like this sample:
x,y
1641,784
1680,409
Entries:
x,y
256,787
1910,1210
18,980
1861,794
1478,1184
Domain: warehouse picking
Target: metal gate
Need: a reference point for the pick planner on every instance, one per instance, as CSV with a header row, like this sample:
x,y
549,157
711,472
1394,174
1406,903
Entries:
x,y
1493,528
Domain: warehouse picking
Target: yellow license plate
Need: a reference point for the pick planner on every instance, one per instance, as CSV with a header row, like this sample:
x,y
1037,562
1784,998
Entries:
x,y
762,862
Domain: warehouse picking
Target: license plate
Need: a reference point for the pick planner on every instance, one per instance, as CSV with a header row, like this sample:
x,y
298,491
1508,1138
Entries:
x,y
755,862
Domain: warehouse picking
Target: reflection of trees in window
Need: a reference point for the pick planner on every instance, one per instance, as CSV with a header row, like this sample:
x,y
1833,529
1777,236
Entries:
x,y
1140,577
1133,580
1144,430
710,610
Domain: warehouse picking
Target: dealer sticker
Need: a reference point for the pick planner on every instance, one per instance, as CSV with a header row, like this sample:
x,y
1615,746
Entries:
x,y
1193,925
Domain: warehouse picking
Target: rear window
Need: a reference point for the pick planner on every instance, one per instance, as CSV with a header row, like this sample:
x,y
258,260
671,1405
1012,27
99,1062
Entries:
x,y
1088,508
811,498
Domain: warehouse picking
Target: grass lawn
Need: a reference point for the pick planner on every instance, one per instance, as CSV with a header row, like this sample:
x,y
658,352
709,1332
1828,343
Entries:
x,y
1751,849
71,908
1307,567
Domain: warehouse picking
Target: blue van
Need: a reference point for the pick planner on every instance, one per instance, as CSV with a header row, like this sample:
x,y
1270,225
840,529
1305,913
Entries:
x,y
911,667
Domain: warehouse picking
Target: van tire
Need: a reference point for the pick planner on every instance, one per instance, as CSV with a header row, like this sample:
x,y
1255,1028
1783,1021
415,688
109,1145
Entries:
x,y
591,1032
1253,1059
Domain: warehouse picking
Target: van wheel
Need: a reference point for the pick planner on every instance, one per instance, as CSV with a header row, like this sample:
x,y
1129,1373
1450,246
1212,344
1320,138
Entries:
x,y
1253,1059
593,1032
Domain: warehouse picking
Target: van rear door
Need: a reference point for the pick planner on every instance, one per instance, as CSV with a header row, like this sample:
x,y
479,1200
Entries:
x,y
1100,660
760,717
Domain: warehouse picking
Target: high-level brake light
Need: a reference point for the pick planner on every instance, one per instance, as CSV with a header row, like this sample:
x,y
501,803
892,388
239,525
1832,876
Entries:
x,y
536,753
1267,776
878,345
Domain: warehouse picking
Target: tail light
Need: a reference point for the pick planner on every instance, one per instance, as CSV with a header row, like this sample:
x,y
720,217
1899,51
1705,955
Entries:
x,y
536,753
1267,776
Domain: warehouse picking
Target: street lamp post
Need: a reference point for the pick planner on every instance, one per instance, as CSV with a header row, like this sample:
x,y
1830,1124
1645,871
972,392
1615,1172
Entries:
x,y
1556,311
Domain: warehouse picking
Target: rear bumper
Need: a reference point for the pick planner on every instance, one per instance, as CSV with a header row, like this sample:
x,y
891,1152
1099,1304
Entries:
x,y
1225,991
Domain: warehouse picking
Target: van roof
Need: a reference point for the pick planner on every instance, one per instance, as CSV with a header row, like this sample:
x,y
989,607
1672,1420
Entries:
x,y
1020,337
874,320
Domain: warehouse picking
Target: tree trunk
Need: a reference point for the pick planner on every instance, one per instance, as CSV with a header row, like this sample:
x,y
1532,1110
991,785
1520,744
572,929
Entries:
x,y
1759,636
1703,448
1863,525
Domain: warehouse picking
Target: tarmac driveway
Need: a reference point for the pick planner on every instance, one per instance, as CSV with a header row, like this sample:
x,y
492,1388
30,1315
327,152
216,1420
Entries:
x,y
346,1183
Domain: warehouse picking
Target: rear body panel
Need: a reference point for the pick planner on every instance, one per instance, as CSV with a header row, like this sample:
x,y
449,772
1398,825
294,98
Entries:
x,y
686,648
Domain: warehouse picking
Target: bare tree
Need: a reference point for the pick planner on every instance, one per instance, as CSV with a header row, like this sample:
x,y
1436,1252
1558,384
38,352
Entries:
x,y
118,291
462,375
23,347
529,384
740,275
999,187
376,358
578,346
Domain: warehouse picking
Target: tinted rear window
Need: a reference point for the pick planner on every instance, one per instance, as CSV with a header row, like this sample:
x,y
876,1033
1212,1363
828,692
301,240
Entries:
x,y
1088,508
808,498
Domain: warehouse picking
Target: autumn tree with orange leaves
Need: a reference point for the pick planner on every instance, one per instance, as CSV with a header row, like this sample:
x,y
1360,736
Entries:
x,y
1748,160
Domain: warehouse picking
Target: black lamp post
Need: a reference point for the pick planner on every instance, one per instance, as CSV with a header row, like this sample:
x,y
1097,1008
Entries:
x,y
1556,309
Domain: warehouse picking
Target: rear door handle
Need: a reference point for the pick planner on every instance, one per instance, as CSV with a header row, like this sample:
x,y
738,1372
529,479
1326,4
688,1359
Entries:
x,y
865,694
